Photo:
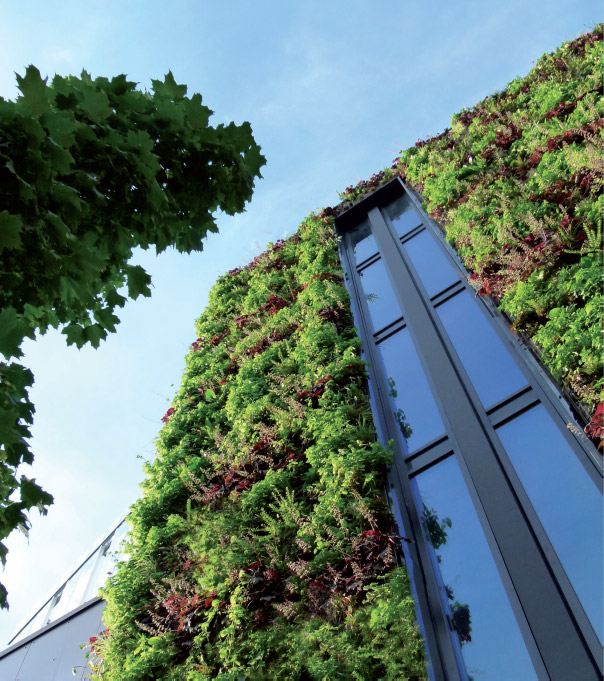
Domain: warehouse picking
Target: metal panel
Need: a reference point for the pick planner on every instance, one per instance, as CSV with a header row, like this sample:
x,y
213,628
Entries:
x,y
12,663
54,652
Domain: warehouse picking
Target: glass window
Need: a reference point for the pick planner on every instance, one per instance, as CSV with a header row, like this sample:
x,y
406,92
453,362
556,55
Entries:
x,y
490,366
55,607
108,556
431,264
403,215
491,643
80,582
117,540
64,604
416,410
41,618
406,221
379,294
101,571
363,243
25,631
567,501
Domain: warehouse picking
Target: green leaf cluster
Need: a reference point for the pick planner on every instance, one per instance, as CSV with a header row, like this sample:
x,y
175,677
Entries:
x,y
91,169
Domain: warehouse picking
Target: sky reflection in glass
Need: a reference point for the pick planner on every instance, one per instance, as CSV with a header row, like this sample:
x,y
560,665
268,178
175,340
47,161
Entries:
x,y
431,264
406,221
566,500
413,395
379,294
490,366
363,243
496,650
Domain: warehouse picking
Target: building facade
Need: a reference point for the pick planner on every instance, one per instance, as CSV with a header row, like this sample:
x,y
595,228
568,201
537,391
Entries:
x,y
48,645
496,491
264,544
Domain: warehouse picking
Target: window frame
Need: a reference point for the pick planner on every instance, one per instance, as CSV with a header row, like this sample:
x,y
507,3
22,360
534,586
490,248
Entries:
x,y
560,639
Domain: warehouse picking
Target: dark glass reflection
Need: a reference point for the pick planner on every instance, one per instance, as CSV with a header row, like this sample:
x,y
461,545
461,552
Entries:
x,y
491,643
416,410
363,243
406,221
489,364
379,294
431,264
568,503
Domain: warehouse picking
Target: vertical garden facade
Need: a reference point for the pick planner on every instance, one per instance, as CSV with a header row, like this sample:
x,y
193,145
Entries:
x,y
382,460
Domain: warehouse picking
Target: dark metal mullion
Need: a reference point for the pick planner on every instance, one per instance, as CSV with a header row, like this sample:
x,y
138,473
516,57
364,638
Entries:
x,y
437,441
368,261
429,457
392,328
513,407
561,645
436,625
523,361
530,367
411,233
448,293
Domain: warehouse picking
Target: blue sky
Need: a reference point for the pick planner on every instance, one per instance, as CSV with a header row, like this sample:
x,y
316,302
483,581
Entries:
x,y
333,91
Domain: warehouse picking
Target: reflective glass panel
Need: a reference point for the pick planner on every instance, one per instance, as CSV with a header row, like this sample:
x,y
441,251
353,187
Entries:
x,y
431,264
568,503
416,410
379,294
108,557
403,215
63,606
40,619
26,631
491,643
489,364
406,221
54,610
101,572
363,243
82,578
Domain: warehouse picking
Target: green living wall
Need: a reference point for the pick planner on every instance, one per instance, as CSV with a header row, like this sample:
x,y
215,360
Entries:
x,y
516,184
263,546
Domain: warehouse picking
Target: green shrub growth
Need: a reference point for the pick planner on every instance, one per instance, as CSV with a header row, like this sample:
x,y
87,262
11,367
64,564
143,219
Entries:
x,y
516,184
263,547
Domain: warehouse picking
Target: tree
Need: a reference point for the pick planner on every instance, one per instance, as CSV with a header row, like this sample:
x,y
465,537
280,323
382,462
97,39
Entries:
x,y
89,170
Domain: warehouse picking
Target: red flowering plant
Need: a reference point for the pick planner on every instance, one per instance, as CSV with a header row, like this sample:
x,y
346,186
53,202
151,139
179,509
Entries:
x,y
95,652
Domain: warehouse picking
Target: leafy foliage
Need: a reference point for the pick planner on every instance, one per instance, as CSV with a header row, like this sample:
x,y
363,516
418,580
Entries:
x,y
90,169
262,546
516,183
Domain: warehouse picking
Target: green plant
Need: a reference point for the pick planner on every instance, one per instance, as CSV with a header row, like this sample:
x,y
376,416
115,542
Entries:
x,y
516,183
278,536
90,169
